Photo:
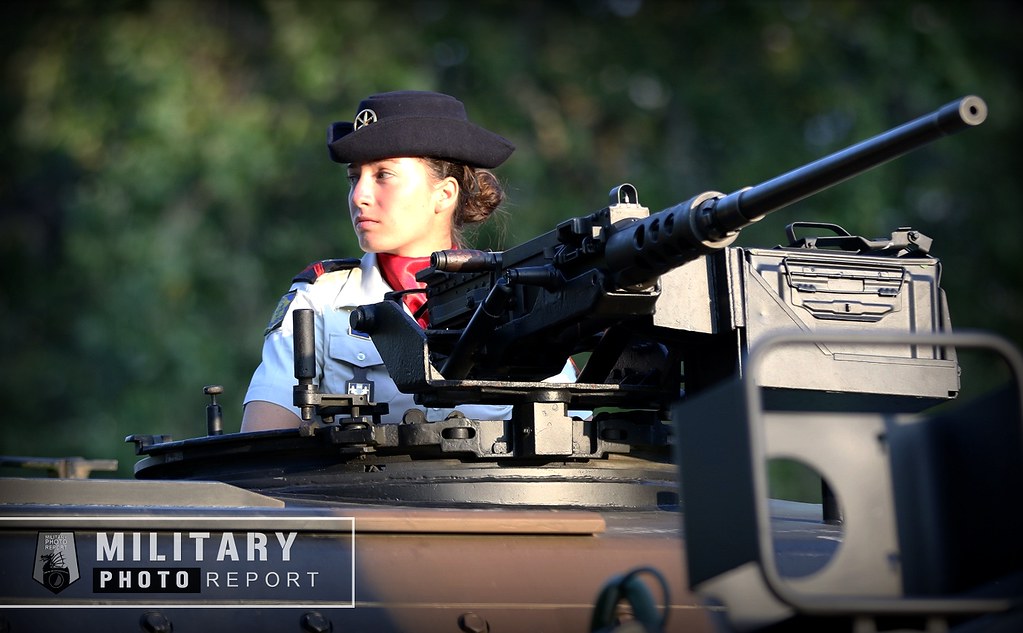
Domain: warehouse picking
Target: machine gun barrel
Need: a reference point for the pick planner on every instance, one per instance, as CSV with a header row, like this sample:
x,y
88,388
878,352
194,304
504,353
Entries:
x,y
650,247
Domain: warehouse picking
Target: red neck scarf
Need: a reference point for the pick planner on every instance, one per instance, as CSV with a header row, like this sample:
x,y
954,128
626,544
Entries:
x,y
400,273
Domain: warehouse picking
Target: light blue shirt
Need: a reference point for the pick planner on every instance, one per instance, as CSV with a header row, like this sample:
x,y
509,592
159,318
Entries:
x,y
343,360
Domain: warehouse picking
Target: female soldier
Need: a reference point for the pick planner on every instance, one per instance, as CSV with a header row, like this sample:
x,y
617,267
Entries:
x,y
418,170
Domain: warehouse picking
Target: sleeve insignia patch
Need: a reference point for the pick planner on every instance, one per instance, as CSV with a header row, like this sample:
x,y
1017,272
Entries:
x,y
280,312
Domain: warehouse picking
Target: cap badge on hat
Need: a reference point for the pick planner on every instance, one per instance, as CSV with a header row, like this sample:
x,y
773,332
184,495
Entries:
x,y
364,118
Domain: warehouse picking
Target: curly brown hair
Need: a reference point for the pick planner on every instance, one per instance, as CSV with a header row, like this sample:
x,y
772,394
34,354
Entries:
x,y
479,193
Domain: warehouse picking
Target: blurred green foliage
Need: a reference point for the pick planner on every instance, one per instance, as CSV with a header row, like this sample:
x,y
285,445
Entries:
x,y
163,172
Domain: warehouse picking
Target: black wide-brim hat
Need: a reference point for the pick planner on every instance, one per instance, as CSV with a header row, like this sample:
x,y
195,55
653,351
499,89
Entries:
x,y
418,124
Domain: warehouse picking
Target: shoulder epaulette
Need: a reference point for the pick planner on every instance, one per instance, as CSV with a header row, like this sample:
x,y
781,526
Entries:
x,y
315,270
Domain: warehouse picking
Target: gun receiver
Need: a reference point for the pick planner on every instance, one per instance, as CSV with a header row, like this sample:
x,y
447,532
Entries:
x,y
595,282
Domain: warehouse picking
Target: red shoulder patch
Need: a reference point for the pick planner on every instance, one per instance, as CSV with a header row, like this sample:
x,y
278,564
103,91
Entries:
x,y
316,270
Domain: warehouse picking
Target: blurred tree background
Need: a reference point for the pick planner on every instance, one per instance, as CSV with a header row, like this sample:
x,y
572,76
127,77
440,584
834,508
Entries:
x,y
163,172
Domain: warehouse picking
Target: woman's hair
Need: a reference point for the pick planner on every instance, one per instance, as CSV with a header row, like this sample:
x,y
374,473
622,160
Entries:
x,y
479,193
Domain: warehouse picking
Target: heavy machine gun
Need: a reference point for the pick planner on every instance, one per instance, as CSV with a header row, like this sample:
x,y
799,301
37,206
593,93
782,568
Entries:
x,y
662,303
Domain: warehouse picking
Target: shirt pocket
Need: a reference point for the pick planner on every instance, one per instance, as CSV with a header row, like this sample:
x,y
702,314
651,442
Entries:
x,y
357,351
348,355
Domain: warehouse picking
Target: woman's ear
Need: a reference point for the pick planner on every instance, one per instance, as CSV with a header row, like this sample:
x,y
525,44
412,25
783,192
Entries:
x,y
446,195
